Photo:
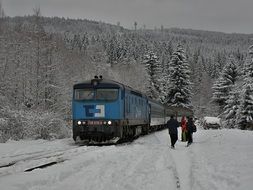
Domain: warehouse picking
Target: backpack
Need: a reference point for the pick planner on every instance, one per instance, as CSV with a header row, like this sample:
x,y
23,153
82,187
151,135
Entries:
x,y
194,128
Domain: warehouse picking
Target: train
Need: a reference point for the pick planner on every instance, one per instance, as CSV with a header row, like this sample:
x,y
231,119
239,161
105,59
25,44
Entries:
x,y
104,109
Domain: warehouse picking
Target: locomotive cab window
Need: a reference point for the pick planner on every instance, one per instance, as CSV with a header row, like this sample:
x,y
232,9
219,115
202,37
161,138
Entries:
x,y
84,94
98,94
107,94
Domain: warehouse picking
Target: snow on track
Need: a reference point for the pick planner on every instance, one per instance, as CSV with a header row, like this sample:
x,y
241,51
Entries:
x,y
218,159
39,152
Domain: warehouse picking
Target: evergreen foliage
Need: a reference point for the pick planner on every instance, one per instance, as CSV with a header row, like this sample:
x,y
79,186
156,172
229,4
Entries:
x,y
245,111
153,68
231,108
225,82
179,87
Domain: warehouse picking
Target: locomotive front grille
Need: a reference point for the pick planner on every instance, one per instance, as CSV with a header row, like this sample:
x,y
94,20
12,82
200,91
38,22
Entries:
x,y
79,123
96,123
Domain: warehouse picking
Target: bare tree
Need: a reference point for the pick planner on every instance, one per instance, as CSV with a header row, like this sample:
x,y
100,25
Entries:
x,y
37,12
39,35
162,28
135,25
2,14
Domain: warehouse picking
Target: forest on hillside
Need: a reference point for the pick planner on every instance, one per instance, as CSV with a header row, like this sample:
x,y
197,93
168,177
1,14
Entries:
x,y
41,58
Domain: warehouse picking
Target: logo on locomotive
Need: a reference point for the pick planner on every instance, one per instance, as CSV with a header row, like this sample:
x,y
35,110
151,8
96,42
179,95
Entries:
x,y
95,110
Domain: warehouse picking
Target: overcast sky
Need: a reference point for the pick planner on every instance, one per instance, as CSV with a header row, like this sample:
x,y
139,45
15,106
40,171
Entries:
x,y
216,15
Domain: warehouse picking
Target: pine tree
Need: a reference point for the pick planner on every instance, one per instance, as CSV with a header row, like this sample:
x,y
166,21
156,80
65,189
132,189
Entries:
x,y
193,61
115,50
163,77
111,50
179,87
245,112
225,82
153,68
231,108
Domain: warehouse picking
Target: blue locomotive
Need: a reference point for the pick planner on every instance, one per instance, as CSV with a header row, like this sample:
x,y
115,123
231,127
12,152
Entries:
x,y
105,109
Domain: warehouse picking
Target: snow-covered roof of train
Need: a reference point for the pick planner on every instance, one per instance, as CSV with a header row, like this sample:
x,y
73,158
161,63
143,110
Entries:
x,y
102,82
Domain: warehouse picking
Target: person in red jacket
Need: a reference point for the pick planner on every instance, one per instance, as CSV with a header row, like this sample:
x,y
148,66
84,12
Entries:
x,y
184,129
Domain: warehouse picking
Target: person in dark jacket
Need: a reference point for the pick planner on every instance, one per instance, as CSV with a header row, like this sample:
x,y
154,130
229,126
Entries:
x,y
172,125
189,126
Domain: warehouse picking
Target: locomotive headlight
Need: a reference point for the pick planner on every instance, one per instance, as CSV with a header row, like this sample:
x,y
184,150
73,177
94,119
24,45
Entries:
x,y
84,122
109,122
104,122
79,123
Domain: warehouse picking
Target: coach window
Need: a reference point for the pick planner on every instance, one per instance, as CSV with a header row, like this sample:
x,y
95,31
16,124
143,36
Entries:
x,y
128,104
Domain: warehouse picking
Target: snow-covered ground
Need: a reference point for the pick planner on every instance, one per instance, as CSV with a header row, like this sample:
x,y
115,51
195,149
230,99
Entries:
x,y
218,159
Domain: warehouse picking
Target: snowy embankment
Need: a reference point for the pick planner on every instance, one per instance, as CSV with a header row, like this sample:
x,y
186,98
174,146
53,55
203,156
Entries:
x,y
218,159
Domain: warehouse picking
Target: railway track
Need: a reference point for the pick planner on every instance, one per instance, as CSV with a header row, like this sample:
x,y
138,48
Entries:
x,y
26,162
41,160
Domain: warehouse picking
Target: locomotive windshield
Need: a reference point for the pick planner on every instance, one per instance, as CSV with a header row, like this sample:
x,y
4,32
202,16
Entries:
x,y
96,94
84,94
106,94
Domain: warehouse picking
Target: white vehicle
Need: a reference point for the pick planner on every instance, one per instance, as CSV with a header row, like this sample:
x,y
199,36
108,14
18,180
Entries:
x,y
211,123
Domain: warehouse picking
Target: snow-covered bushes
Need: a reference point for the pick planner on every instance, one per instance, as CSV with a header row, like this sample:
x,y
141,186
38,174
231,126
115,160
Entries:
x,y
11,125
18,125
46,126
